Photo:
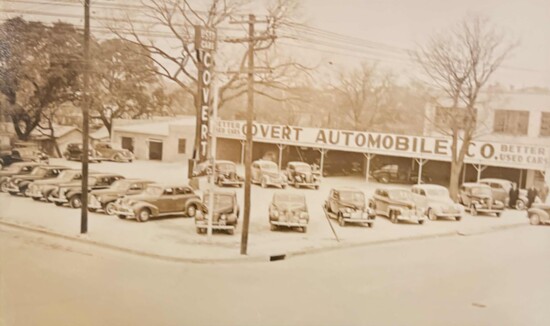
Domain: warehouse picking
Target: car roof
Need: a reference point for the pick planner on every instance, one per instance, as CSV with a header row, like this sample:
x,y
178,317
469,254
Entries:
x,y
496,180
474,184
429,186
297,163
346,189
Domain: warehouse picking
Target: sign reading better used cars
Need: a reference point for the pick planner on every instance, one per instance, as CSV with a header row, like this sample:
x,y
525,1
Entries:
x,y
479,152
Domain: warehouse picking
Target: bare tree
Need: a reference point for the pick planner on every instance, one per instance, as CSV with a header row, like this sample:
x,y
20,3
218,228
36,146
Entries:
x,y
177,62
458,64
365,93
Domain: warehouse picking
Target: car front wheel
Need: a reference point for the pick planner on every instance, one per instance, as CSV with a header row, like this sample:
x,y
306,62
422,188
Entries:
x,y
110,208
191,211
520,205
534,219
75,201
143,215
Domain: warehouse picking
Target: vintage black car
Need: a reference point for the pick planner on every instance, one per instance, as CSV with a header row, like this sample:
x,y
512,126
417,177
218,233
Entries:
x,y
300,174
399,205
288,210
226,212
19,184
226,174
8,158
158,200
104,199
113,153
394,173
19,168
71,193
478,198
347,205
74,152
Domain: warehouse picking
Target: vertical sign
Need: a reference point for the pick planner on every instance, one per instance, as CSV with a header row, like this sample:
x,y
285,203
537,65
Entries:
x,y
205,44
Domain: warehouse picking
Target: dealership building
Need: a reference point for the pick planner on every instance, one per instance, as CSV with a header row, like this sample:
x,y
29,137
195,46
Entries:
x,y
514,144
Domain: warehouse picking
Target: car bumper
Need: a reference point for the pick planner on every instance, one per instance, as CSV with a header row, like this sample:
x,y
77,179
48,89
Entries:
x,y
307,184
35,194
410,217
449,215
488,210
124,211
11,188
289,224
203,224
231,183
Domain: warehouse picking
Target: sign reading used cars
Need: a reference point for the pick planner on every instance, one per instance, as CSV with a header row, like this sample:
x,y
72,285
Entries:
x,y
479,152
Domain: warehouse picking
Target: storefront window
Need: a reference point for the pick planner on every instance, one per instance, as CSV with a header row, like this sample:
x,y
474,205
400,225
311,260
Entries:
x,y
545,124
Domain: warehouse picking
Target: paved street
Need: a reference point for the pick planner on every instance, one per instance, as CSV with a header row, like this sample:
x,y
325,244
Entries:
x,y
490,279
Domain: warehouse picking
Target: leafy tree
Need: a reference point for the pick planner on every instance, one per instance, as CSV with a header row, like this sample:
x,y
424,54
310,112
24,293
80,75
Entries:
x,y
39,68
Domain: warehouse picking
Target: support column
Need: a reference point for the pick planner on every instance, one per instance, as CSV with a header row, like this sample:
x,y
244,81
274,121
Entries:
x,y
421,163
281,147
243,142
479,168
322,163
368,156
520,178
464,168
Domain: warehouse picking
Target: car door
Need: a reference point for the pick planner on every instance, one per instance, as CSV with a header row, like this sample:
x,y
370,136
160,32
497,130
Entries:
x,y
135,188
165,203
182,195
499,192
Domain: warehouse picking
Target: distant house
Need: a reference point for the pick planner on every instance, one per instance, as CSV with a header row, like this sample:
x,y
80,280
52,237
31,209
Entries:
x,y
163,139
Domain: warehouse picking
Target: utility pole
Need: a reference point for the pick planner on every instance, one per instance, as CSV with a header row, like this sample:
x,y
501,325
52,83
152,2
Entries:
x,y
248,144
85,124
251,69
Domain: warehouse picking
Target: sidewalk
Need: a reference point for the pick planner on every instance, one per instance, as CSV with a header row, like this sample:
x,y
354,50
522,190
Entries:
x,y
175,239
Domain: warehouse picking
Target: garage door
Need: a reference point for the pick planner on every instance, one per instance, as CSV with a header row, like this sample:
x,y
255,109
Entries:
x,y
155,150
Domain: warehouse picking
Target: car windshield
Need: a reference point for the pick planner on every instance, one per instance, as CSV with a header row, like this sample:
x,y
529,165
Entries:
x,y
288,199
226,167
120,185
153,191
481,191
352,196
437,192
269,167
400,194
303,168
39,172
220,200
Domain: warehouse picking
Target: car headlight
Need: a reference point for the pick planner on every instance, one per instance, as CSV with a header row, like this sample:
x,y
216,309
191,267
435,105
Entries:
x,y
223,217
304,215
348,210
275,213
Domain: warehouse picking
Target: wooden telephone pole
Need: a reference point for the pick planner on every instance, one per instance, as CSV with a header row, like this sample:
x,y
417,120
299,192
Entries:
x,y
85,118
251,40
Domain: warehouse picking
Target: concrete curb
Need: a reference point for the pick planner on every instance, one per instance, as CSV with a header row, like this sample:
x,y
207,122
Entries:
x,y
260,258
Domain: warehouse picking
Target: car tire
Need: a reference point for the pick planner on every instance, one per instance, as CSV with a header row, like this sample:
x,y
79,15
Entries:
x,y
13,193
199,230
393,217
59,204
272,227
110,208
520,205
304,229
75,201
498,214
47,196
91,210
534,219
36,198
143,215
458,218
122,217
431,215
421,222
370,225
473,210
191,211
231,231
316,187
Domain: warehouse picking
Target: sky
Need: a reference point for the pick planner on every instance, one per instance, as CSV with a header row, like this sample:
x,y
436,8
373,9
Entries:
x,y
407,23
383,30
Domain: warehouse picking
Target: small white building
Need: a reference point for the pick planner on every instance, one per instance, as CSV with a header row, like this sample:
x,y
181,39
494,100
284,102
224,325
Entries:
x,y
164,139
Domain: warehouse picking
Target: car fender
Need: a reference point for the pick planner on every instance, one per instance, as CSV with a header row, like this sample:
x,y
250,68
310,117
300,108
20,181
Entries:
x,y
24,184
72,192
543,215
140,205
198,204
395,208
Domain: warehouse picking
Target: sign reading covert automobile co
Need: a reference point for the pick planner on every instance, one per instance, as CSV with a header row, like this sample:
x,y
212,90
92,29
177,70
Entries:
x,y
479,152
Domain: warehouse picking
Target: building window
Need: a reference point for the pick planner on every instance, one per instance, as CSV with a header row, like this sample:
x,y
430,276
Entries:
x,y
181,146
511,122
545,124
447,117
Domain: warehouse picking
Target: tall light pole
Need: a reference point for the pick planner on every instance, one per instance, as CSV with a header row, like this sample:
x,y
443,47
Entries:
x,y
85,117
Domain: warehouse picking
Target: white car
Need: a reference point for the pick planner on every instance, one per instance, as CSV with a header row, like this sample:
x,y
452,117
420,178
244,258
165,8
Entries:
x,y
438,202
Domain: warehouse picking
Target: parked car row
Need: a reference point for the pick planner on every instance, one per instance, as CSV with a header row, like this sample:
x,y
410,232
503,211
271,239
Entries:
x,y
101,151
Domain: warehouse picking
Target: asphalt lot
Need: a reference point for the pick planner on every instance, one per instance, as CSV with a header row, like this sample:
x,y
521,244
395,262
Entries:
x,y
168,233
